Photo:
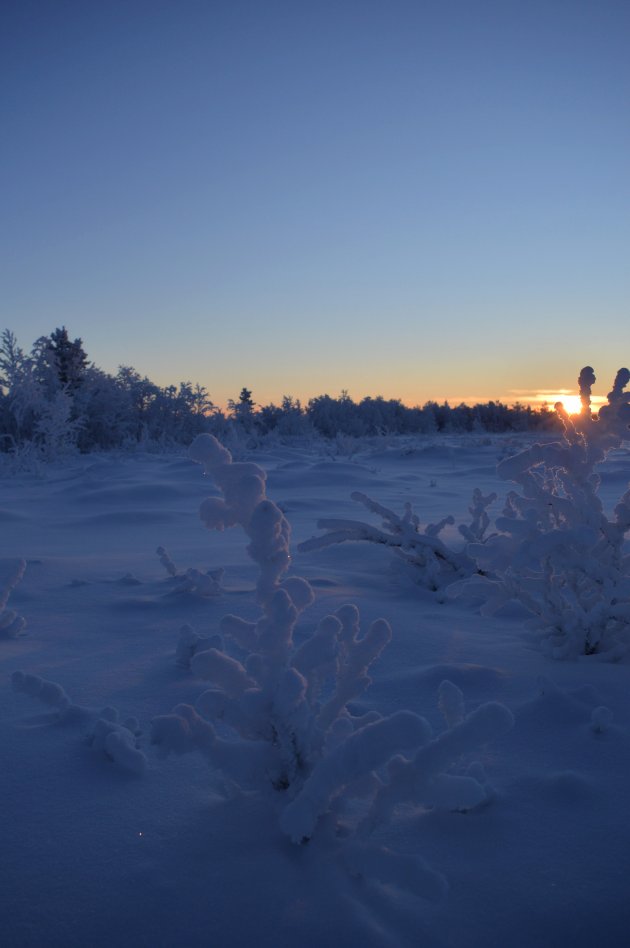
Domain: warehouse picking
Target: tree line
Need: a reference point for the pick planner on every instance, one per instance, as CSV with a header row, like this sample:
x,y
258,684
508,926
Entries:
x,y
53,400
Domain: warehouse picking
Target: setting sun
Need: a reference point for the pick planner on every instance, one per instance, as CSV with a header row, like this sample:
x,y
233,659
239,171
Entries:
x,y
570,400
572,403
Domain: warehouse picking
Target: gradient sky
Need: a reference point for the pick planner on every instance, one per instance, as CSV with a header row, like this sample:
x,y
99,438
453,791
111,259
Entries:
x,y
424,199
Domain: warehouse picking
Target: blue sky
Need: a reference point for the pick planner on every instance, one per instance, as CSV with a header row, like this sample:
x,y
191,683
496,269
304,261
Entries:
x,y
413,199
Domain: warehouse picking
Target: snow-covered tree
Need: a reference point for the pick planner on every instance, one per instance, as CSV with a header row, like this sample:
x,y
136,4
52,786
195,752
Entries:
x,y
69,358
56,429
242,411
13,362
557,551
285,704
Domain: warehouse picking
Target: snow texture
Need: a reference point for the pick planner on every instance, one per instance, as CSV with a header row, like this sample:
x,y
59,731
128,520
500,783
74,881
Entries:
x,y
519,840
11,624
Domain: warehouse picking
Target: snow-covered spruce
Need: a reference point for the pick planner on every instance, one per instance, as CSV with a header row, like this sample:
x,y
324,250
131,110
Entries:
x,y
11,624
556,551
429,560
114,739
286,706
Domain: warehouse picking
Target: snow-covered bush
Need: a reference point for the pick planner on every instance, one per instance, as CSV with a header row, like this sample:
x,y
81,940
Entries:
x,y
166,561
11,624
116,740
429,560
285,704
190,642
56,430
556,551
206,584
49,693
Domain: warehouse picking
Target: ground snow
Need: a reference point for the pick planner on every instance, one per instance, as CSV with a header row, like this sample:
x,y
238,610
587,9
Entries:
x,y
162,853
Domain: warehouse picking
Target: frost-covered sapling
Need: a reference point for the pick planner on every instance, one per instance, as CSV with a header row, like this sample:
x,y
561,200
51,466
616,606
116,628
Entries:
x,y
556,551
475,531
283,706
277,700
429,560
11,624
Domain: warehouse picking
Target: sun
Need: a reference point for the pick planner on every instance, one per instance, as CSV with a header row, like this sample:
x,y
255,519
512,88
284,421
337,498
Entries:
x,y
572,403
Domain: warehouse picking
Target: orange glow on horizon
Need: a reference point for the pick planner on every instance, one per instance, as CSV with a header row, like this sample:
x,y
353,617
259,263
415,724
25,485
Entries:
x,y
572,403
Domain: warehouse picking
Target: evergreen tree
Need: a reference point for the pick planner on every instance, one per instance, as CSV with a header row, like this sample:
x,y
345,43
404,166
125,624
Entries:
x,y
242,411
70,358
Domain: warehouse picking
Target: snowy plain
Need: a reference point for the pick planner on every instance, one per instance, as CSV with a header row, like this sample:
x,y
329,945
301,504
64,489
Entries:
x,y
95,854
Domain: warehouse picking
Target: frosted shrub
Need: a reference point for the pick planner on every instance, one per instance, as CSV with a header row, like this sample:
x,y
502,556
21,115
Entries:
x,y
56,431
166,561
116,740
11,624
193,581
48,692
190,642
557,552
427,557
285,706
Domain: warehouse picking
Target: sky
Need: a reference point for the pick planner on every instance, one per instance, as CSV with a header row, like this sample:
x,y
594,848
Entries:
x,y
420,200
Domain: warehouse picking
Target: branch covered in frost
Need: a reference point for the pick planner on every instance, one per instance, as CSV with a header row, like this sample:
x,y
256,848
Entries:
x,y
116,740
431,561
475,531
206,584
423,779
118,743
184,731
189,643
364,751
356,657
48,692
244,502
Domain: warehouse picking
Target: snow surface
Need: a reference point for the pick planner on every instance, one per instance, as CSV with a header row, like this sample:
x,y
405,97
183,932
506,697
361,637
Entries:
x,y
103,842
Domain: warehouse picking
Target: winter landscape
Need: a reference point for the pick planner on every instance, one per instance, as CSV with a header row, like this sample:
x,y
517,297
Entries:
x,y
314,474
313,723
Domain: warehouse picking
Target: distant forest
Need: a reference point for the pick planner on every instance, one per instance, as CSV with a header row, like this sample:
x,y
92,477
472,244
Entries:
x,y
54,401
